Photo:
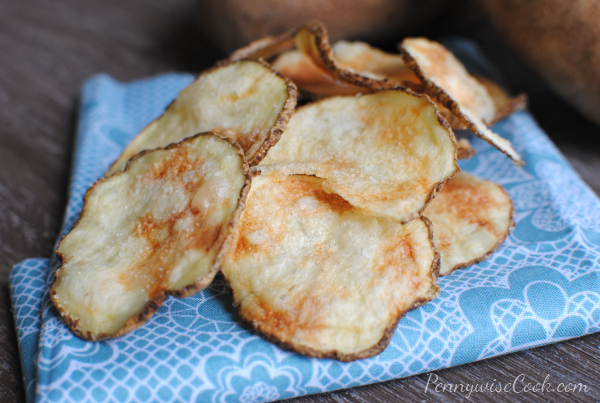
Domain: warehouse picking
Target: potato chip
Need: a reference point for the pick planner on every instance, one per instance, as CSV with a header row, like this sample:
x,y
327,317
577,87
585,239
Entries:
x,y
162,227
386,153
449,82
315,275
313,40
245,101
357,58
471,218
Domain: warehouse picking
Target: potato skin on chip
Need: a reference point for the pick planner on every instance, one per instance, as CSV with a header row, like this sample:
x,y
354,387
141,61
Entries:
x,y
471,219
447,80
161,227
246,101
313,40
314,275
386,153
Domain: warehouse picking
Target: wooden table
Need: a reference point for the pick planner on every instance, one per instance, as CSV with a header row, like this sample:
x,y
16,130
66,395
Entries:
x,y
48,48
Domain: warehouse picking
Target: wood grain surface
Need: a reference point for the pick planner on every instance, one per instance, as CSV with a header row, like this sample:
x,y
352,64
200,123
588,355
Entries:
x,y
47,50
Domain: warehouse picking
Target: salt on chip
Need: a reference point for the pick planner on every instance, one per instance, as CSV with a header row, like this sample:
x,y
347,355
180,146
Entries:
x,y
471,218
386,153
449,82
162,227
245,101
314,275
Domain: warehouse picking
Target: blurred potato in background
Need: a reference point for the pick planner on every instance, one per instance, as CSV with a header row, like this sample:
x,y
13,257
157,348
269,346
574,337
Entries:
x,y
560,40
231,24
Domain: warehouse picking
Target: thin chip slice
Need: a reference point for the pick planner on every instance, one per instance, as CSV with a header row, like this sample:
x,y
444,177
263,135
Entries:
x,y
378,69
471,218
245,101
313,40
386,153
314,275
162,227
451,85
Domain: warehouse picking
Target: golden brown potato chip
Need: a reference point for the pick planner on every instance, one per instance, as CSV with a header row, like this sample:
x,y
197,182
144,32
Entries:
x,y
357,58
162,227
471,218
450,84
245,101
325,73
386,153
313,40
314,275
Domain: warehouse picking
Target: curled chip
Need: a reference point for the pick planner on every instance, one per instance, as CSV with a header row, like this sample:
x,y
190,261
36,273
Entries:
x,y
313,40
162,227
450,84
245,101
314,275
386,153
265,48
471,218
358,59
316,67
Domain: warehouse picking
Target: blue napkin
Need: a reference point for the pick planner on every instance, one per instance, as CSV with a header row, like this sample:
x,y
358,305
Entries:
x,y
542,286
